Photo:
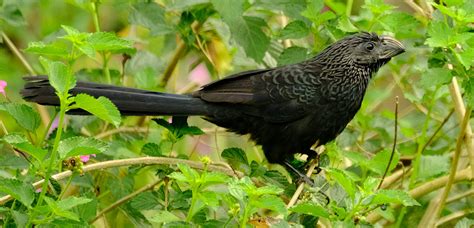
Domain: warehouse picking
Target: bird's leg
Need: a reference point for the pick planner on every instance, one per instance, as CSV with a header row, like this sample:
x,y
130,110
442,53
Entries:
x,y
301,175
312,155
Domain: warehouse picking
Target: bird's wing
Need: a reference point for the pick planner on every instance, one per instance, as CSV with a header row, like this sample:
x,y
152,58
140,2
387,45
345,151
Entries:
x,y
236,88
278,95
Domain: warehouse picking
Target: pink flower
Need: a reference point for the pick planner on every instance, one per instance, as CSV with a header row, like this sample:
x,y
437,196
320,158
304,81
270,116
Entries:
x,y
200,75
3,85
38,190
85,158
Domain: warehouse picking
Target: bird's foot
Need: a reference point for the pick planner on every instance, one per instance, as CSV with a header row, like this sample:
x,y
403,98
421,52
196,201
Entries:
x,y
301,176
312,155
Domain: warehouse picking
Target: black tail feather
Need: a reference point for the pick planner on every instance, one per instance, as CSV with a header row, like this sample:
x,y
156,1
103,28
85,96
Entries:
x,y
129,101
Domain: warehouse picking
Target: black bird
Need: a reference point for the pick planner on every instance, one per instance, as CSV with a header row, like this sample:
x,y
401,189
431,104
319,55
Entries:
x,y
285,109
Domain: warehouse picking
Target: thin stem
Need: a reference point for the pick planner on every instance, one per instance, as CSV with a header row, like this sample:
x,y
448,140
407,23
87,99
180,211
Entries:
x,y
394,143
125,199
69,181
180,51
52,159
349,7
95,15
193,203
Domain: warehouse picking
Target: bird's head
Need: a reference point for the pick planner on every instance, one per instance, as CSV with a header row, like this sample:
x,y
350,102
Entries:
x,y
366,49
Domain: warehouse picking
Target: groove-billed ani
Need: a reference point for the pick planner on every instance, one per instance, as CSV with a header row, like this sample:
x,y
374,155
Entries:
x,y
285,109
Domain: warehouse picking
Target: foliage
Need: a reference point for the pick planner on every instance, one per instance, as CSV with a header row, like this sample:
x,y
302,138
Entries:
x,y
160,45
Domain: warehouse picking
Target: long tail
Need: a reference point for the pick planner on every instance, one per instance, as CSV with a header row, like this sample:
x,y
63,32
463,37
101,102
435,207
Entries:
x,y
129,101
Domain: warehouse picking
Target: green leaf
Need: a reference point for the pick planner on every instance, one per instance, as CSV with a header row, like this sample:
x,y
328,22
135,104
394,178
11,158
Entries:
x,y
52,49
467,58
267,190
23,114
79,145
343,179
245,30
21,219
379,162
464,223
294,30
179,127
271,202
345,25
310,209
152,16
291,8
71,202
468,86
313,10
59,211
60,77
377,6
187,174
15,138
435,77
101,107
165,217
26,147
10,13
213,178
433,165
235,155
145,201
152,149
441,35
384,196
292,55
19,190
106,41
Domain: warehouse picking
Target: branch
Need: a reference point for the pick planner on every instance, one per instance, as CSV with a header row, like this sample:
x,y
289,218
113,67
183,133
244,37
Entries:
x,y
134,161
453,216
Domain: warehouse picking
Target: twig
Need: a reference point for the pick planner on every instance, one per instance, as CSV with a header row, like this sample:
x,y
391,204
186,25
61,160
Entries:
x,y
125,199
397,175
135,161
417,8
445,120
453,216
181,49
41,109
395,129
460,196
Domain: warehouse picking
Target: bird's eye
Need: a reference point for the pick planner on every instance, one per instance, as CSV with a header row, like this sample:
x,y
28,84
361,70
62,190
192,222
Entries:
x,y
370,46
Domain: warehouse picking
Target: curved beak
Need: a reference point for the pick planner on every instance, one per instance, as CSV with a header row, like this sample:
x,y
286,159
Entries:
x,y
390,47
